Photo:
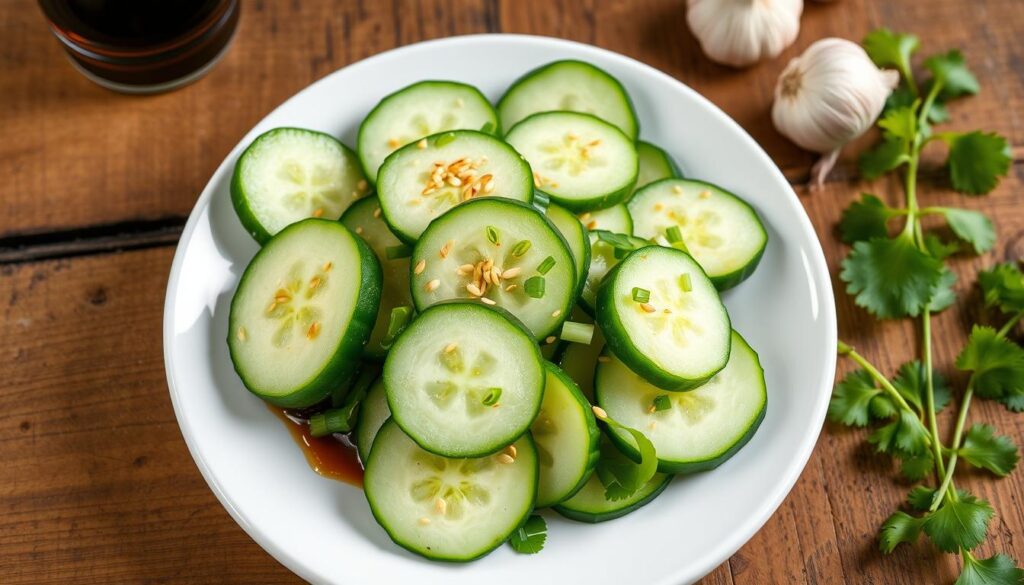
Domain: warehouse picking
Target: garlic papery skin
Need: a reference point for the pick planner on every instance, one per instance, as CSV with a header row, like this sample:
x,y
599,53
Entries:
x,y
742,32
828,96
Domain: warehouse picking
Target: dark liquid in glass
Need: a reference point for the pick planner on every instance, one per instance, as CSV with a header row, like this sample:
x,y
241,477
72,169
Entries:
x,y
142,45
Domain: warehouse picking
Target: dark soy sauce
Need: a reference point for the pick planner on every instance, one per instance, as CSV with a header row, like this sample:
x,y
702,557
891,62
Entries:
x,y
142,45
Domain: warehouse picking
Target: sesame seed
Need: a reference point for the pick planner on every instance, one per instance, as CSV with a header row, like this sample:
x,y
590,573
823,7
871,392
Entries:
x,y
652,409
511,450
550,339
487,301
505,458
585,216
313,330
647,307
474,290
421,144
556,312
599,412
319,211
489,187
465,269
359,229
362,185
454,181
420,267
242,335
450,347
604,359
511,287
424,521
376,212
511,273
432,285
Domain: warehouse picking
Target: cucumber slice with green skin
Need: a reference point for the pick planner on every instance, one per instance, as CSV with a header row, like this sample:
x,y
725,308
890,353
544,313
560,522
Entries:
x,y
719,229
655,164
581,162
572,86
699,429
289,174
373,412
302,312
448,509
590,504
576,237
464,380
422,180
602,260
491,248
566,436
364,218
678,338
615,219
419,110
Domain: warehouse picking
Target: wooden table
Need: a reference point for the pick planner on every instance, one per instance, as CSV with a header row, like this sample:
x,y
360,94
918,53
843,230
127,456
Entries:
x,y
96,483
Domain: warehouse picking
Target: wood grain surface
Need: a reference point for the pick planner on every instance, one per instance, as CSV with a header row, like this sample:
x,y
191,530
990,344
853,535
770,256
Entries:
x,y
97,485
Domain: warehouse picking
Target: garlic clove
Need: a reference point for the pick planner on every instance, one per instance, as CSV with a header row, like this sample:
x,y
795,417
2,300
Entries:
x,y
742,32
828,96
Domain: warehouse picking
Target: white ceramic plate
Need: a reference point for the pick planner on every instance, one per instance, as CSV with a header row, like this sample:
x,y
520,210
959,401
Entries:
x,y
323,530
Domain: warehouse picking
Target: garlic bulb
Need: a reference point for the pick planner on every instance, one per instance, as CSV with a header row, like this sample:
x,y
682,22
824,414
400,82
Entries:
x,y
828,96
742,32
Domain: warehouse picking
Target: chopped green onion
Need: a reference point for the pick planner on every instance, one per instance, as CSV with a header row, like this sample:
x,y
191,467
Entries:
x,y
487,128
614,240
621,253
492,234
399,251
329,422
662,403
673,235
641,295
521,248
546,265
684,282
396,324
492,396
444,139
577,332
534,287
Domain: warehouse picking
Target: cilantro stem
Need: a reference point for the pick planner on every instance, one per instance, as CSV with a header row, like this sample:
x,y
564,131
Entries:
x,y
933,427
882,380
958,432
1008,326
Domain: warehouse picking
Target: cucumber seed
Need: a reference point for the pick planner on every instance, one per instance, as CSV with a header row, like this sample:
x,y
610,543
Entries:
x,y
420,267
487,301
505,458
432,285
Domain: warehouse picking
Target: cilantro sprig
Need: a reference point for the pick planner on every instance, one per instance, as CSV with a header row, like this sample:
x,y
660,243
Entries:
x,y
895,270
529,538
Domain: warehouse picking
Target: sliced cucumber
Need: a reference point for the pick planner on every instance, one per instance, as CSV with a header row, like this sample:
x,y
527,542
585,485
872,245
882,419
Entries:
x,y
499,252
614,219
302,312
419,110
590,504
572,86
464,380
566,435
289,174
699,429
448,509
678,338
422,180
576,237
720,230
603,257
581,162
373,411
364,218
655,164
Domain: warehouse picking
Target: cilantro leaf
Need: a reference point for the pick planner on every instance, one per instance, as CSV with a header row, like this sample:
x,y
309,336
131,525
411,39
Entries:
x,y
976,160
904,436
983,448
852,398
882,407
996,570
1003,287
972,227
941,250
910,383
889,49
920,498
899,124
898,528
938,113
960,523
997,365
950,70
529,538
865,219
916,467
891,278
1014,402
942,295
620,475
884,157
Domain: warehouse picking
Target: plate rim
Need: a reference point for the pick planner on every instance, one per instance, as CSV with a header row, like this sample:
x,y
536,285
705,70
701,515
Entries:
x,y
816,266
